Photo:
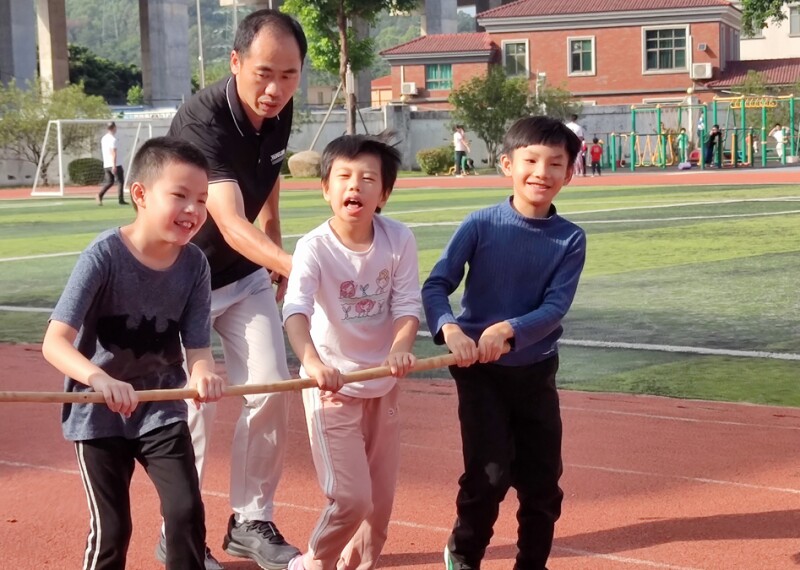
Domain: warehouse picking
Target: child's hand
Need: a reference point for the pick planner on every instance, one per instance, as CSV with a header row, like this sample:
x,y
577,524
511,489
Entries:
x,y
400,363
492,343
462,347
209,386
120,396
328,379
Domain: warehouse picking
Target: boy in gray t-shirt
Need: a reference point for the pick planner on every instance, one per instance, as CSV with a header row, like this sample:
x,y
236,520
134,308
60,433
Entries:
x,y
136,296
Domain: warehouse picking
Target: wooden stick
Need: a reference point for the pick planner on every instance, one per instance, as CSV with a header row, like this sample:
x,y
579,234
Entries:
x,y
243,390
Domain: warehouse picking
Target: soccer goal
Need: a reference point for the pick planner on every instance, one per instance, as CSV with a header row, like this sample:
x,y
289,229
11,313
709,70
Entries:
x,y
70,153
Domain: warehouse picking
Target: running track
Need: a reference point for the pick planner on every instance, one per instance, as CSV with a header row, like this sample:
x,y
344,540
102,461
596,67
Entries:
x,y
649,483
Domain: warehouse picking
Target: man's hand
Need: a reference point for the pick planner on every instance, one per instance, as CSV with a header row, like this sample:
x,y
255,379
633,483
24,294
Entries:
x,y
400,363
462,347
492,343
328,379
120,396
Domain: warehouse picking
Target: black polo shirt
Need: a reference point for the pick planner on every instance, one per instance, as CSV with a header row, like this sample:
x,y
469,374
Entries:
x,y
213,119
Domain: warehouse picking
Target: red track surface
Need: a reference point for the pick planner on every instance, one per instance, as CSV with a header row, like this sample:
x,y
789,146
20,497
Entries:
x,y
649,483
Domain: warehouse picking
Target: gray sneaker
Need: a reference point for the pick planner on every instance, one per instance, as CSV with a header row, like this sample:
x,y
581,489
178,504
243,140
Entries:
x,y
211,563
259,541
450,563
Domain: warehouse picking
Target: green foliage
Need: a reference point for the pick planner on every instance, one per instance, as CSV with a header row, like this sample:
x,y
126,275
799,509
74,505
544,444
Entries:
x,y
557,102
487,105
757,13
285,163
26,112
326,21
754,85
100,76
435,160
109,28
466,23
135,95
86,171
390,30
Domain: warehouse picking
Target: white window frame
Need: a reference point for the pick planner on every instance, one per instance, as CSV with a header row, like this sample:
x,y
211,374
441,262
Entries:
x,y
527,73
571,73
796,9
674,70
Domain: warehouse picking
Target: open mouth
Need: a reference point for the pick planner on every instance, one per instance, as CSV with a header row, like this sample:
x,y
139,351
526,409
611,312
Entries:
x,y
352,204
188,226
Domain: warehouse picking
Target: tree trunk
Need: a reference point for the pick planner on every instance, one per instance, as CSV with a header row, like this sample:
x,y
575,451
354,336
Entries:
x,y
344,59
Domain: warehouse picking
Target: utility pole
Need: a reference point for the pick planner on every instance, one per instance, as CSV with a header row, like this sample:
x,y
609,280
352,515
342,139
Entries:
x,y
200,46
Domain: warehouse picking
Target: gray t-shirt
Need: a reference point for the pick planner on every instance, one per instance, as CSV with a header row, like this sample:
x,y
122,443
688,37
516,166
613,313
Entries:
x,y
131,321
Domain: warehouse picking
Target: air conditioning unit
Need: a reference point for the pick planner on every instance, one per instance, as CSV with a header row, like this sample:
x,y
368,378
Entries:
x,y
408,88
701,71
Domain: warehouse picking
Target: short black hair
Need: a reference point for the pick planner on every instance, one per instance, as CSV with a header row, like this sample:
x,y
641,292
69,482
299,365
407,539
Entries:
x,y
542,130
250,27
156,153
574,117
349,147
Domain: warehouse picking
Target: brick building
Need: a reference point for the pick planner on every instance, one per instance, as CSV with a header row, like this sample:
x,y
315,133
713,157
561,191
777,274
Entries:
x,y
602,51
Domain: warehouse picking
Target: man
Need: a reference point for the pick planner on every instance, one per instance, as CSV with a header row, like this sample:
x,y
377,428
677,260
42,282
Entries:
x,y
112,165
242,125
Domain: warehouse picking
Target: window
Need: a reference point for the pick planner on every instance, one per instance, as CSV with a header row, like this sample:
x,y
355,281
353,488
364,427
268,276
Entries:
x,y
515,58
438,76
581,56
665,49
794,21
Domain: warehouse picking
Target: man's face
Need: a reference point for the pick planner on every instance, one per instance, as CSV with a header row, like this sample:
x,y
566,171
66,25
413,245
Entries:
x,y
267,75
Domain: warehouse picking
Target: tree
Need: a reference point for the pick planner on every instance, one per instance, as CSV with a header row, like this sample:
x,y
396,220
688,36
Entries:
x,y
25,113
756,13
332,41
486,105
100,76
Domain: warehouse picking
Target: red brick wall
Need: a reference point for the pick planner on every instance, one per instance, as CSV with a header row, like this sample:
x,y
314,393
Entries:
x,y
416,73
619,65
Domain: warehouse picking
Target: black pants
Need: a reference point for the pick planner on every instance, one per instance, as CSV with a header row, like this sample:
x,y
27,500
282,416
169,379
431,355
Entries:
x,y
460,154
108,182
511,437
106,466
596,167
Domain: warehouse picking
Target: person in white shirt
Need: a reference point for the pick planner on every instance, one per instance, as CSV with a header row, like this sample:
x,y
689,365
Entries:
x,y
461,147
112,165
779,136
580,162
353,302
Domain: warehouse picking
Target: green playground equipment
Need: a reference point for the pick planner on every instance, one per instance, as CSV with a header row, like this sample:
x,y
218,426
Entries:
x,y
743,137
659,136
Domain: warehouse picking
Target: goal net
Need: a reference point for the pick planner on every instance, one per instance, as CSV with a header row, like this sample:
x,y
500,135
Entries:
x,y
70,155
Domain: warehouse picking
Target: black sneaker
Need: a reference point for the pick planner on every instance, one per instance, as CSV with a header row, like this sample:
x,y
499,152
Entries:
x,y
211,563
259,541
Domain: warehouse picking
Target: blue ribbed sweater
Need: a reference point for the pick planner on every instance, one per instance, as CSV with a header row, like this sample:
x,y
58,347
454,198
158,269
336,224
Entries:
x,y
522,270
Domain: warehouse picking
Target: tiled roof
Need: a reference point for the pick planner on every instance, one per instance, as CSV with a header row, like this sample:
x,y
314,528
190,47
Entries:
x,y
773,72
382,82
443,43
523,8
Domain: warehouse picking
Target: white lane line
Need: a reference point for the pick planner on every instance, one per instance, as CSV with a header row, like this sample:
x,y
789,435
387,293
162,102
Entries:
x,y
681,349
680,419
684,218
30,205
39,256
705,480
15,309
405,524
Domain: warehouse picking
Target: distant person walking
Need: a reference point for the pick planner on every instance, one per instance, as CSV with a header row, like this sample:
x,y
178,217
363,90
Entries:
x,y
461,147
112,164
580,162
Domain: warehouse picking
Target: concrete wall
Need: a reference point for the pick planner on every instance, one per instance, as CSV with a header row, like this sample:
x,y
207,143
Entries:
x,y
17,41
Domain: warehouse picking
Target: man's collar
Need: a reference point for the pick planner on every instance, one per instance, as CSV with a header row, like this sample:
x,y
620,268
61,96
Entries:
x,y
240,119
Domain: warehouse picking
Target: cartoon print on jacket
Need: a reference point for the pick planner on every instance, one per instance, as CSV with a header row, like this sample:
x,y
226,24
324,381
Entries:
x,y
365,304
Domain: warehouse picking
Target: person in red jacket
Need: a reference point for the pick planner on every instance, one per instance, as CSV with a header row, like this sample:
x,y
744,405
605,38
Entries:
x,y
596,152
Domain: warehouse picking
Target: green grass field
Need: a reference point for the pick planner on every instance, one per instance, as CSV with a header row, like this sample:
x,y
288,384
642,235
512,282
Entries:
x,y
693,267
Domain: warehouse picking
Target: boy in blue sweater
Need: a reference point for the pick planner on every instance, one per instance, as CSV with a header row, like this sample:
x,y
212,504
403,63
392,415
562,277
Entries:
x,y
524,264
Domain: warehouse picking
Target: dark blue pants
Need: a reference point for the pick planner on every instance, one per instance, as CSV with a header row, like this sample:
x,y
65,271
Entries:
x,y
511,437
106,466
